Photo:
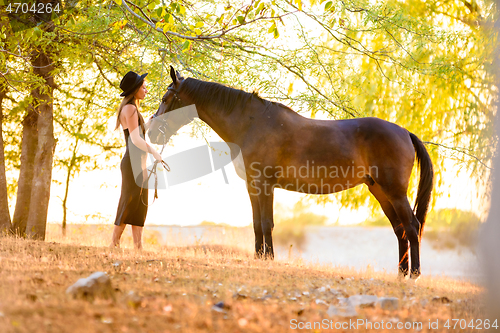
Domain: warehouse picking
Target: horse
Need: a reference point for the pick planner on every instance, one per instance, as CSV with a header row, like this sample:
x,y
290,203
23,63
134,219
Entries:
x,y
282,149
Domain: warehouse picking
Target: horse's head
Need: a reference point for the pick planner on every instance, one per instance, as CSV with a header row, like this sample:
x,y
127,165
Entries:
x,y
168,119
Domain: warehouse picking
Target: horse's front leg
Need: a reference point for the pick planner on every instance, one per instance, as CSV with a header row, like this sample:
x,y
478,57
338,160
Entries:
x,y
266,216
257,226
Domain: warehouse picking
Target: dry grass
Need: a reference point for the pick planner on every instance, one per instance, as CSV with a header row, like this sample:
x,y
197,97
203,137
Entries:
x,y
176,287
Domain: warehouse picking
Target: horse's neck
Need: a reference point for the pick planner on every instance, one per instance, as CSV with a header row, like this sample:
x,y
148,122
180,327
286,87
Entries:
x,y
233,127
220,123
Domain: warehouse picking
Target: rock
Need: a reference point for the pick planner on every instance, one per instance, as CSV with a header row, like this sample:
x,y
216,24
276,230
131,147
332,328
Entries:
x,y
346,311
441,299
220,307
133,300
238,295
320,301
242,322
388,303
38,279
359,300
96,285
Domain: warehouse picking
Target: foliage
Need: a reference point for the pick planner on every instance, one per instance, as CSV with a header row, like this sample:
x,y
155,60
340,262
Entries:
x,y
446,228
453,228
423,65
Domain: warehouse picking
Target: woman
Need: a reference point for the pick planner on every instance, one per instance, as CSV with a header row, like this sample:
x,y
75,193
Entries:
x,y
132,207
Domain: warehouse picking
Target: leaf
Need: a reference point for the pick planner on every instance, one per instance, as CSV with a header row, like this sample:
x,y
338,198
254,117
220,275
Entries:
x,y
152,6
182,10
197,32
271,29
240,19
260,8
328,5
276,33
290,89
220,19
199,24
118,2
159,11
299,4
186,45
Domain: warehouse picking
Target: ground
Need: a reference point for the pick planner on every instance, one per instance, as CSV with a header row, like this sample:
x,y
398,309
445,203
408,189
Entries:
x,y
174,289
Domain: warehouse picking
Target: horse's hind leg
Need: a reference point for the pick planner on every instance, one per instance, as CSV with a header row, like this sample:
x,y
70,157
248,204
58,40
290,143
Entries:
x,y
396,225
412,230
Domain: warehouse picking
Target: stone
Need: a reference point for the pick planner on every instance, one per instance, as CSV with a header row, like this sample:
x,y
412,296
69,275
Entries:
x,y
133,300
342,311
388,303
441,299
97,285
359,300
320,301
220,307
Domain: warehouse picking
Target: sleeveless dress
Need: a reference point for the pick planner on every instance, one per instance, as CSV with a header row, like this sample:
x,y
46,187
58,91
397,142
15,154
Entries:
x,y
132,207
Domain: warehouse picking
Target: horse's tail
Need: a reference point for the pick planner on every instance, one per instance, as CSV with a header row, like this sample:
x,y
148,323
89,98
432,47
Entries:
x,y
426,181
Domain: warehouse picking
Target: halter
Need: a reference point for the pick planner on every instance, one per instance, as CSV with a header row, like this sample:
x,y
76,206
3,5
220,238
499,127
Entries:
x,y
174,100
153,170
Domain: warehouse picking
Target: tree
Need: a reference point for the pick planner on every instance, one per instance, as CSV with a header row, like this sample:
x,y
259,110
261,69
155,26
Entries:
x,y
399,61
4,200
422,65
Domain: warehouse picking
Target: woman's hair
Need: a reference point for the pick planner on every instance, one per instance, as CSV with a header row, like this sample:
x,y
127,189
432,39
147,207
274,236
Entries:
x,y
126,100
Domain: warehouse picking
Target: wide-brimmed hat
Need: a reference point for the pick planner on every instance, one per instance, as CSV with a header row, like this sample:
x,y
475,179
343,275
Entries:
x,y
130,82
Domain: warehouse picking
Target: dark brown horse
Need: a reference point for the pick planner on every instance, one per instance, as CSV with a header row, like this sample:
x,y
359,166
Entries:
x,y
282,149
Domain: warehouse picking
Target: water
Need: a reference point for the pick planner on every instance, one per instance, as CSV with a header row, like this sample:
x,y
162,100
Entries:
x,y
356,247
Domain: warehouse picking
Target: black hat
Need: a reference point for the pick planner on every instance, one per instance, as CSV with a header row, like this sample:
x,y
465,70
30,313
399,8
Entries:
x,y
130,82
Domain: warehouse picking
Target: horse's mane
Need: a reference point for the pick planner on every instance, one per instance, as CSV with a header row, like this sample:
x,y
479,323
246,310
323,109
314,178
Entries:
x,y
221,97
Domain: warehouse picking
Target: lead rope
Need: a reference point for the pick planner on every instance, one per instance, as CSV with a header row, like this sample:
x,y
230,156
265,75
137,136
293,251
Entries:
x,y
163,163
154,171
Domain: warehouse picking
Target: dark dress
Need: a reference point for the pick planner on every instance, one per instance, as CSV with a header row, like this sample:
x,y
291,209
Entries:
x,y
132,207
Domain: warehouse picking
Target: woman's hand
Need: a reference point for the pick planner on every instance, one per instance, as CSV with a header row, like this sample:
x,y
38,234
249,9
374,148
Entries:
x,y
148,123
157,156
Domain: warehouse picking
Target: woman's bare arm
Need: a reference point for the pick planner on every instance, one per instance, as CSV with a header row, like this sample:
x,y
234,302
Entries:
x,y
130,120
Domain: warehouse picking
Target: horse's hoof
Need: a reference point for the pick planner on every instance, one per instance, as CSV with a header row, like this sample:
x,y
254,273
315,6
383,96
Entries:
x,y
258,256
415,276
402,273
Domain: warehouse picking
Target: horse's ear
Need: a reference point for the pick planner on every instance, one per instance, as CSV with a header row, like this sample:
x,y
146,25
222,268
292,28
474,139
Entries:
x,y
173,75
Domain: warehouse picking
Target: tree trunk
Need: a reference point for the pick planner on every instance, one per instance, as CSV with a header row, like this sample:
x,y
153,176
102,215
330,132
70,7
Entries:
x,y
42,176
4,197
24,184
